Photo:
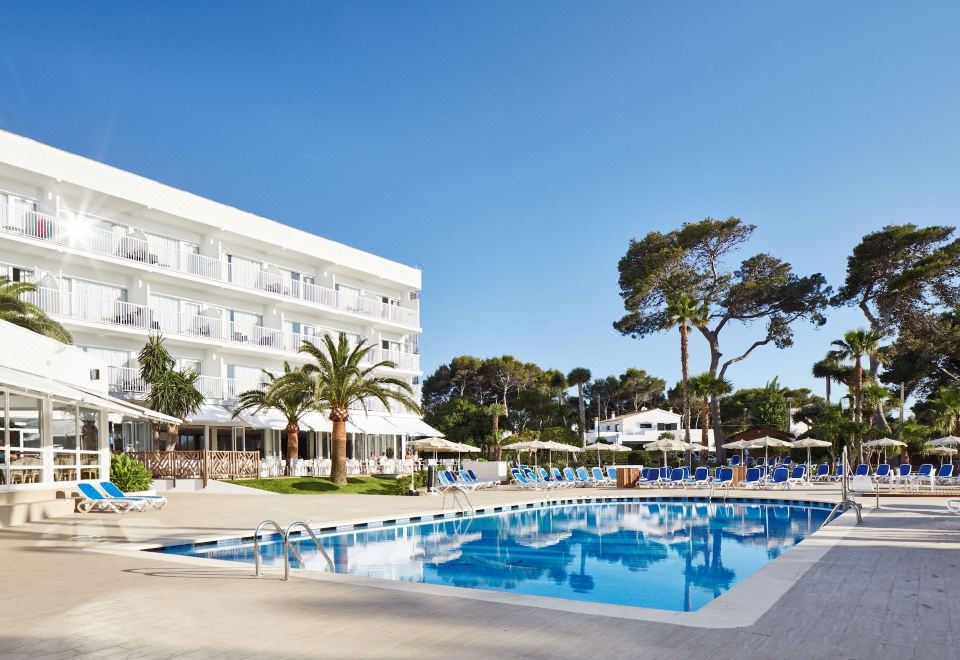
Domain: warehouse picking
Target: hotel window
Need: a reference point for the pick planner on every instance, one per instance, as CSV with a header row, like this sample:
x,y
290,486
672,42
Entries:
x,y
15,213
17,274
93,301
412,344
22,433
170,252
242,271
242,378
389,345
166,313
188,363
243,325
348,296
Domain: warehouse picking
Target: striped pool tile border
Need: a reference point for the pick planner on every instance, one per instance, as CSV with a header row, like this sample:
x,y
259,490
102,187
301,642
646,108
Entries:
x,y
173,548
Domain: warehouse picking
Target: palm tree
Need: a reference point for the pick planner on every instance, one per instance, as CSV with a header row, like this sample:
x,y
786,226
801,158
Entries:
x,y
683,311
580,376
947,410
14,309
339,382
707,386
828,368
173,391
292,394
496,411
855,345
874,396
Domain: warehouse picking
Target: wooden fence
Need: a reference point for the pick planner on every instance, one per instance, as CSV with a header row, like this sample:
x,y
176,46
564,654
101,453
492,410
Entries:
x,y
200,464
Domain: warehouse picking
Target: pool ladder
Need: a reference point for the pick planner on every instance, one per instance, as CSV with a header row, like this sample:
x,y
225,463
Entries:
x,y
455,492
287,546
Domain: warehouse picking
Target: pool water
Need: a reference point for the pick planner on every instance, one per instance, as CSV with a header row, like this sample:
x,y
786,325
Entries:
x,y
670,555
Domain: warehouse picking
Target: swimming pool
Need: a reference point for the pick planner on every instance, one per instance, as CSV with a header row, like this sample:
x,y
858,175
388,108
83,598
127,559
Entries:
x,y
665,554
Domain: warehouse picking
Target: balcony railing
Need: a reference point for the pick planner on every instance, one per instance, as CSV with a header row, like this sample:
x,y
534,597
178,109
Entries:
x,y
94,309
117,242
127,380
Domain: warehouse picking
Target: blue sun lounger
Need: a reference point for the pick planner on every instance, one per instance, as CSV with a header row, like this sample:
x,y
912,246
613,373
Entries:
x,y
751,479
94,500
155,501
723,478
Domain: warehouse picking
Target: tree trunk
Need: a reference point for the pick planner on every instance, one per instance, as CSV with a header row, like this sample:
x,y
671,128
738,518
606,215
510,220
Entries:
x,y
705,430
684,368
170,441
583,416
293,445
827,379
715,355
338,448
718,438
497,447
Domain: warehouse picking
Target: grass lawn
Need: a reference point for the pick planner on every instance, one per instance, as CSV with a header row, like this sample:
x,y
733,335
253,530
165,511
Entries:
x,y
315,485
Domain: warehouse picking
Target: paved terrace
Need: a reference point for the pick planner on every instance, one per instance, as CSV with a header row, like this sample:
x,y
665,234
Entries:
x,y
889,589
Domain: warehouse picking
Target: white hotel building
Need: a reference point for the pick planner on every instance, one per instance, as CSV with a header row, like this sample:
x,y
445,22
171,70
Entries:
x,y
117,256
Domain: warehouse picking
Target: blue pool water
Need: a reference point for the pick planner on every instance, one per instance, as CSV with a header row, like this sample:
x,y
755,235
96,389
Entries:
x,y
671,555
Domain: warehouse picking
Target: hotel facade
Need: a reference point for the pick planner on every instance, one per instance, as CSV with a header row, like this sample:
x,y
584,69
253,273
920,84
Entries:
x,y
116,257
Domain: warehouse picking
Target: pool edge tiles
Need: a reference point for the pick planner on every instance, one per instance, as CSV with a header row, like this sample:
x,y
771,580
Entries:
x,y
440,516
737,606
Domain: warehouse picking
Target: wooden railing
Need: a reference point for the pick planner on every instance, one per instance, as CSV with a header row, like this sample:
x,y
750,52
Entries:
x,y
200,464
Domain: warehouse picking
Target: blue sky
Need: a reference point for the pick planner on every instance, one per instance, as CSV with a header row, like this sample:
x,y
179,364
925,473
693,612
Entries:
x,y
511,150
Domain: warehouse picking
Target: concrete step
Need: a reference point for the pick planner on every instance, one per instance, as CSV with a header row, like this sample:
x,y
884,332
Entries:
x,y
20,507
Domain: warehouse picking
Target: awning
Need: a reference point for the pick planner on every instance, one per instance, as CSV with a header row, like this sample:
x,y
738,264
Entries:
x,y
320,422
211,415
414,426
30,383
271,418
374,424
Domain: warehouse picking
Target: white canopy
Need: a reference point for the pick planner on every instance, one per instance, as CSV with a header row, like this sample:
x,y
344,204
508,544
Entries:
x,y
320,422
209,414
271,418
414,426
374,424
945,441
885,442
31,383
811,442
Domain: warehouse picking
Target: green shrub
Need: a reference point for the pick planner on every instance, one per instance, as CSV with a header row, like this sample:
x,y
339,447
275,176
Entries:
x,y
129,474
402,485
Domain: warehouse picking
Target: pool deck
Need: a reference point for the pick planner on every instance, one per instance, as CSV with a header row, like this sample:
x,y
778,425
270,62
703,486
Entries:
x,y
887,589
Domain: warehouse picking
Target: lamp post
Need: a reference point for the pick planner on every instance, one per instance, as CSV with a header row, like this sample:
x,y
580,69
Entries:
x,y
745,418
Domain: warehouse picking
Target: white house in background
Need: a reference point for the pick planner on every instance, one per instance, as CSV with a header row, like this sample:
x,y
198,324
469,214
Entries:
x,y
117,256
636,428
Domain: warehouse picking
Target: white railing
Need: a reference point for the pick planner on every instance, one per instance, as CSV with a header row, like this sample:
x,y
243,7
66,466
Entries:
x,y
96,309
163,253
226,389
127,380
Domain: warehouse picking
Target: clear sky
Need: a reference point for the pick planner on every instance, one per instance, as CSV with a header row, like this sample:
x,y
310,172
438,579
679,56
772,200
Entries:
x,y
511,149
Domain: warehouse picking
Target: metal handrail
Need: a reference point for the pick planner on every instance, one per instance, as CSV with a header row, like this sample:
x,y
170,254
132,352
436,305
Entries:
x,y
286,544
256,543
846,502
453,490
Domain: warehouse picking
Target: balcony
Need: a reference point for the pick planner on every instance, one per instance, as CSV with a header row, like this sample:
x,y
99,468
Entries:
x,y
127,381
107,311
135,246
